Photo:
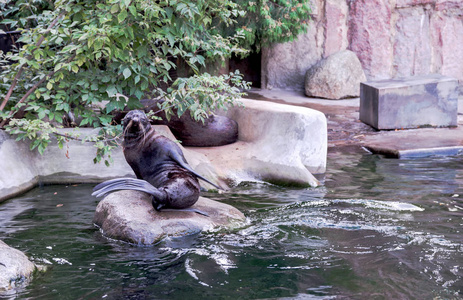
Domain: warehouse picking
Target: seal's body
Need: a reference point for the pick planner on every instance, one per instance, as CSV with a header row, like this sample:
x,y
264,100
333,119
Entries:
x,y
159,165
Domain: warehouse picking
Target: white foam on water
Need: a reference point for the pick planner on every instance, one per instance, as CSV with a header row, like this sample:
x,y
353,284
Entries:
x,y
223,261
240,177
191,271
378,204
61,261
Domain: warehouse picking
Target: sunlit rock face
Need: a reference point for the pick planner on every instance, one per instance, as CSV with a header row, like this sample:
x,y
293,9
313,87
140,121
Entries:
x,y
392,39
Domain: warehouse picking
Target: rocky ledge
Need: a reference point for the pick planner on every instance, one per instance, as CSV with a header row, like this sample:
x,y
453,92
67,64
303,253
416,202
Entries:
x,y
14,267
129,216
277,143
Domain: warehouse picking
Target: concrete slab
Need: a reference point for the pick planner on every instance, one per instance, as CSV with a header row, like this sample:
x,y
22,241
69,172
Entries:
x,y
412,102
346,130
416,142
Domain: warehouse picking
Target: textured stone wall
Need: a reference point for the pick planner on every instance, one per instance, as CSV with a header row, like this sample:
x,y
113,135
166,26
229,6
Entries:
x,y
392,38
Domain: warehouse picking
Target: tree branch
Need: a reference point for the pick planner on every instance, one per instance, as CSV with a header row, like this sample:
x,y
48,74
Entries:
x,y
32,89
21,69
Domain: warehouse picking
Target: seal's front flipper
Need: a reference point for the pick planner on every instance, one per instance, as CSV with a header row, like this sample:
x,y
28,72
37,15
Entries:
x,y
178,157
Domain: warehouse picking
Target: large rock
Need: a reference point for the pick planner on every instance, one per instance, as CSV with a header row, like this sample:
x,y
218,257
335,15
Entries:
x,y
278,143
14,267
18,173
129,216
335,77
284,65
22,169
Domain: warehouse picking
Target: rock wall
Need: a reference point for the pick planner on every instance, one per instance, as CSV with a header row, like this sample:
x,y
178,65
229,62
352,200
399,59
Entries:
x,y
392,38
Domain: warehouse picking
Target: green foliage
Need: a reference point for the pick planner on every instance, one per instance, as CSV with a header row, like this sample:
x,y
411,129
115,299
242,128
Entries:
x,y
201,93
91,58
274,21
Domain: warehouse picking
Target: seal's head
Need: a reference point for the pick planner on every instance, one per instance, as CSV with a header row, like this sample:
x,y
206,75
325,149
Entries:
x,y
136,124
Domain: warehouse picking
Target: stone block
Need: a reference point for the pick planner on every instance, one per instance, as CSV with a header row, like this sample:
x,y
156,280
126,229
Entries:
x,y
420,101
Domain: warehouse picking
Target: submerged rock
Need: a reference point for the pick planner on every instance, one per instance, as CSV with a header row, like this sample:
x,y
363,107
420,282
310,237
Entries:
x,y
14,267
335,77
129,216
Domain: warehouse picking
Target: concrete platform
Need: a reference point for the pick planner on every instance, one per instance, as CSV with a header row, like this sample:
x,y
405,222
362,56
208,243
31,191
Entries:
x,y
346,130
412,102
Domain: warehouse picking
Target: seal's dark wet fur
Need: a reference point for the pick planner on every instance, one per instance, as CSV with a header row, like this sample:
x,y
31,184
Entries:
x,y
159,165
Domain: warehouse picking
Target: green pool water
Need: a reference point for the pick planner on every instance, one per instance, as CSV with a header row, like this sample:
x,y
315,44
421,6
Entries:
x,y
378,229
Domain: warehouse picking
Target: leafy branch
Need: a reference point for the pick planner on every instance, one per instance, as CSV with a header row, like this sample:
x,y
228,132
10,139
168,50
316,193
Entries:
x,y
80,62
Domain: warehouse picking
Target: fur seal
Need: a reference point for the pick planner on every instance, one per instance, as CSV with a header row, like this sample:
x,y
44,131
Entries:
x,y
159,165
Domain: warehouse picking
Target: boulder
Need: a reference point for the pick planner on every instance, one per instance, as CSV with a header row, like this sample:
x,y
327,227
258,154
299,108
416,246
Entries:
x,y
284,64
280,144
14,267
129,216
336,77
214,131
18,174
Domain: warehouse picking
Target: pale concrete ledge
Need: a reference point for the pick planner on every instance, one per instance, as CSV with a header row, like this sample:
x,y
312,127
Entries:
x,y
414,143
277,143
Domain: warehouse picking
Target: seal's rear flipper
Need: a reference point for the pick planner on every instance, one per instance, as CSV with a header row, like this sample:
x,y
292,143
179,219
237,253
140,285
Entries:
x,y
178,157
113,185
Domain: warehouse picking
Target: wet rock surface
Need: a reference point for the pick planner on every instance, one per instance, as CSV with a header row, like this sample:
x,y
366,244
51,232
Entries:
x,y
15,267
129,216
